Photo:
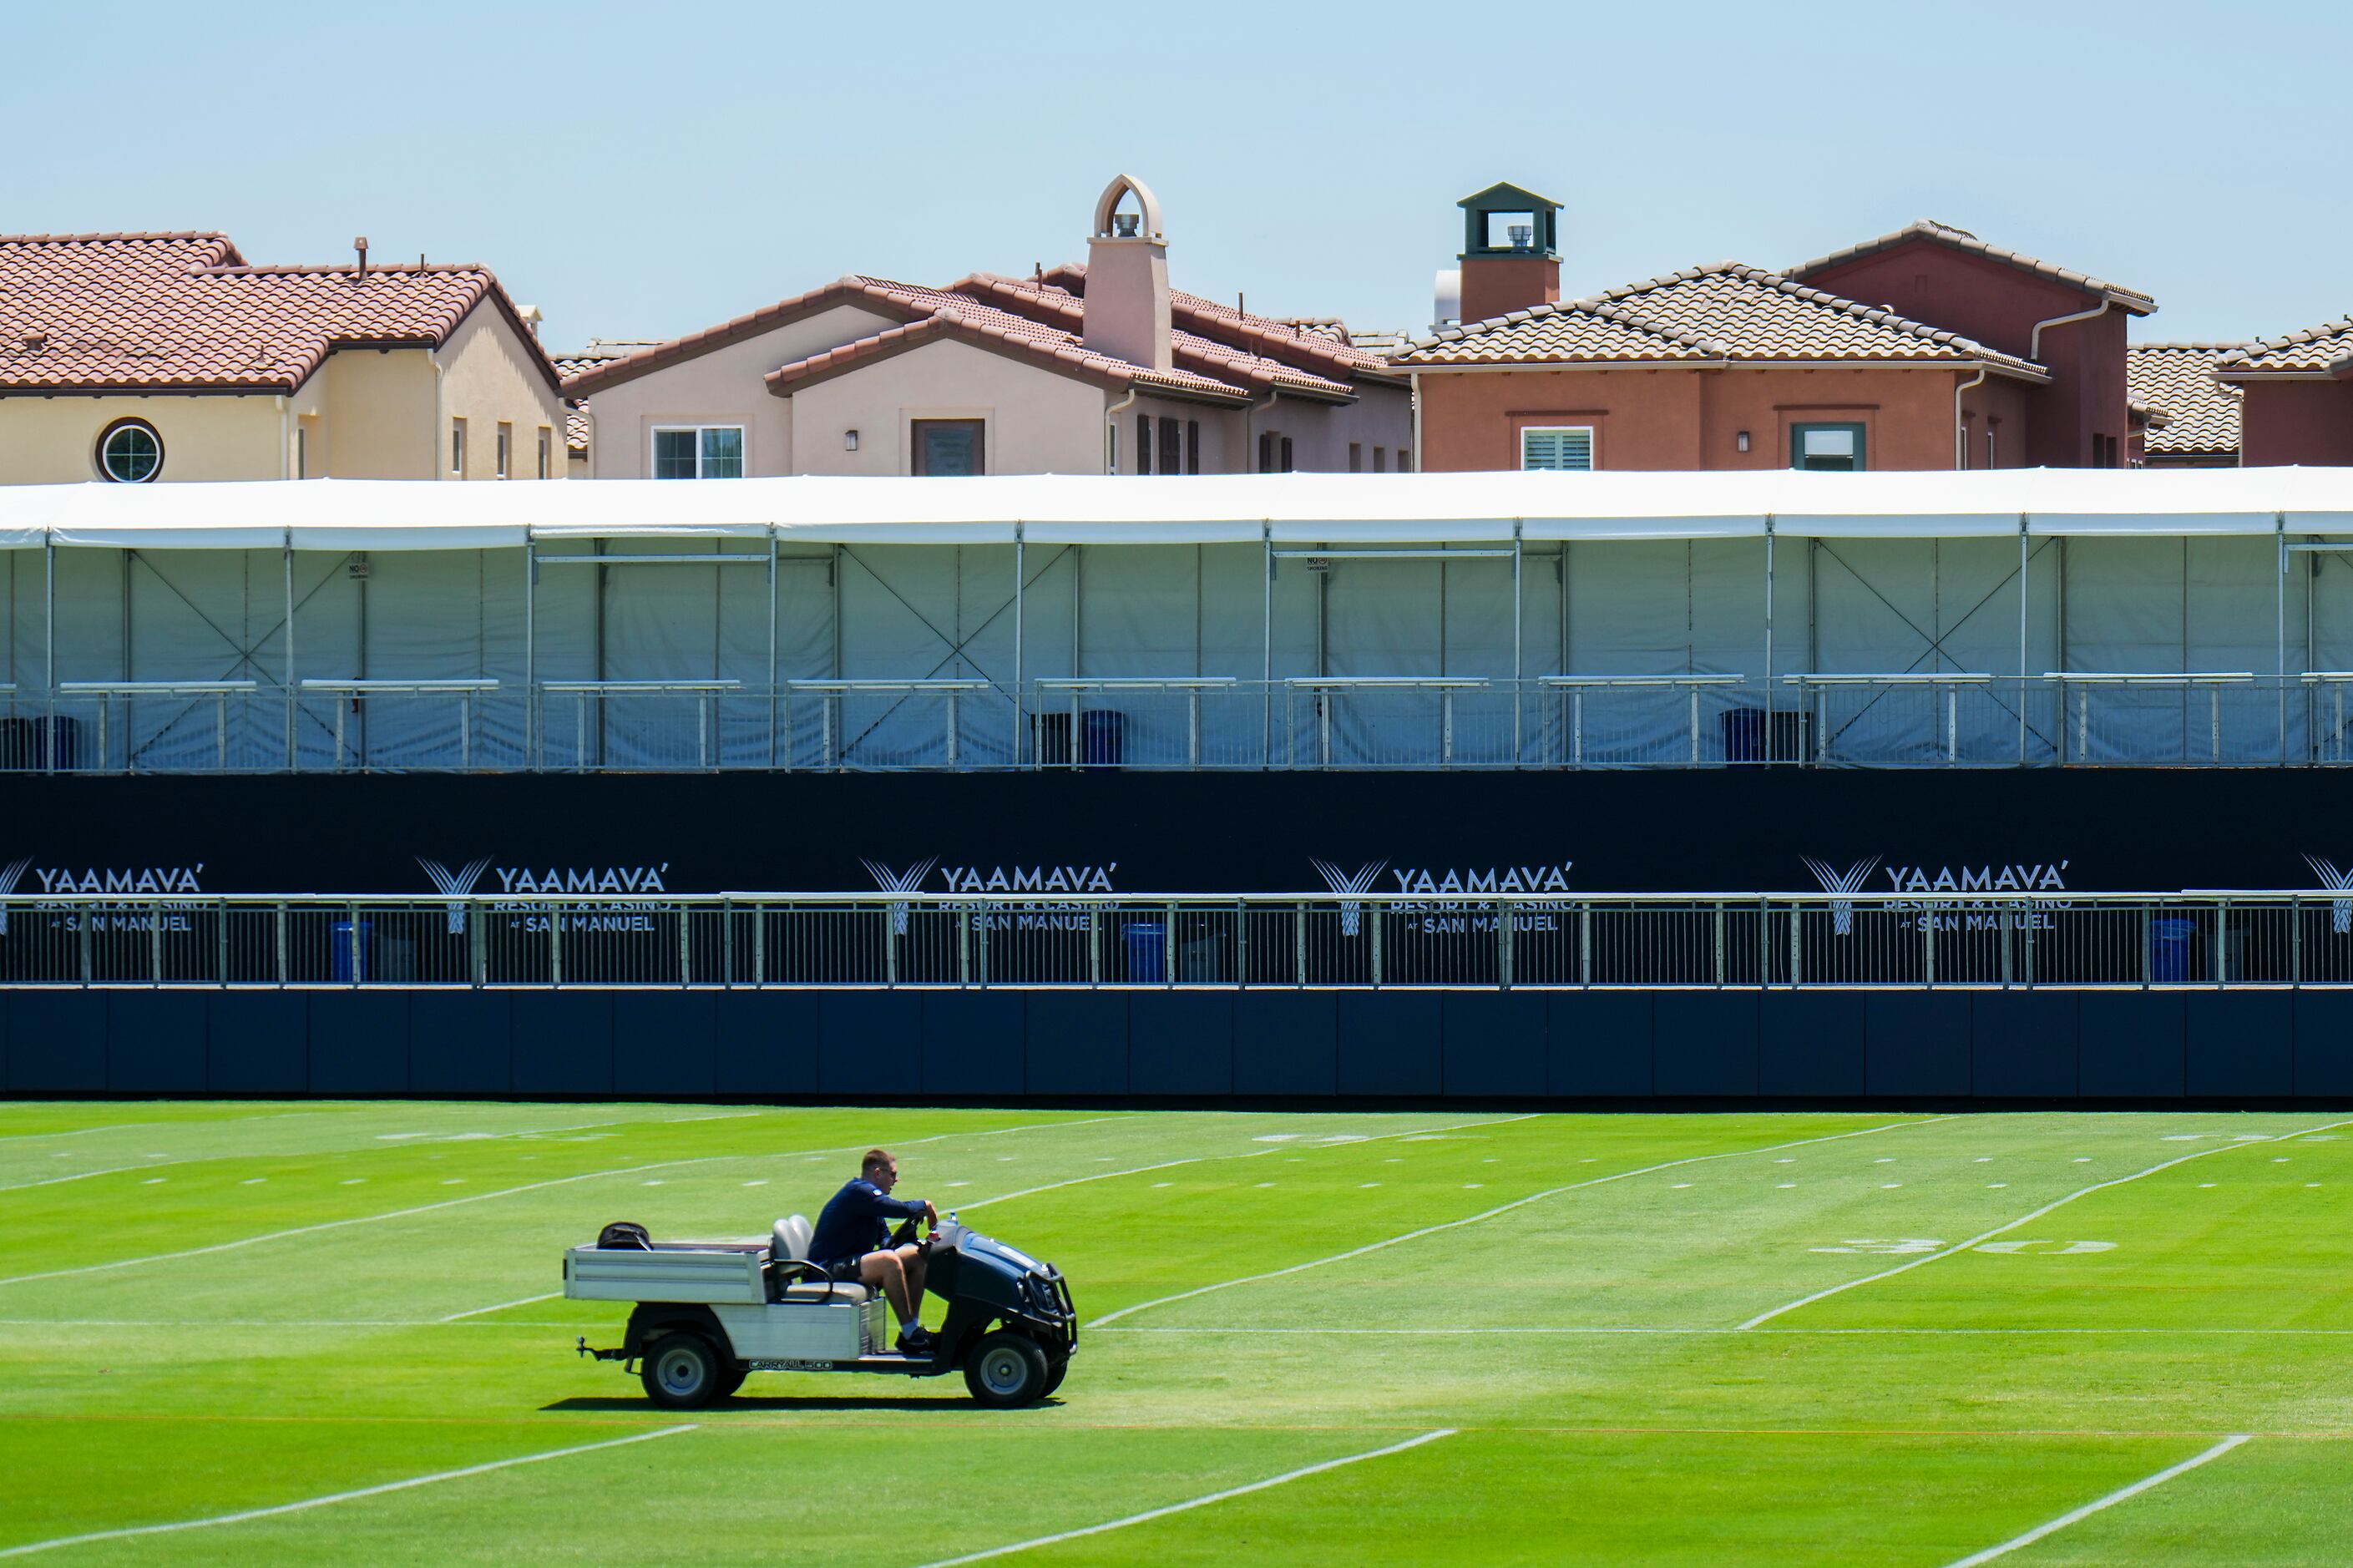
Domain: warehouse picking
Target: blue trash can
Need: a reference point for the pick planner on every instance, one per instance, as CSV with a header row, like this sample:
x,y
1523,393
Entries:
x,y
341,958
1147,952
2168,950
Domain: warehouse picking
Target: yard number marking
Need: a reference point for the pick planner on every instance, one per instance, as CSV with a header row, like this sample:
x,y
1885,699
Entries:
x,y
2089,1509
1195,1503
253,1513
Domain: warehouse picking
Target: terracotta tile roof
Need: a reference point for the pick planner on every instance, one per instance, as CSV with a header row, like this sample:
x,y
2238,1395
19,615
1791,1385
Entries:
x,y
1051,305
1304,341
600,350
2191,411
184,312
2132,300
2324,350
1724,313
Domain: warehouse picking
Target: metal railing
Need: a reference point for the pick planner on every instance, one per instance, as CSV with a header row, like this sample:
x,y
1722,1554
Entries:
x,y
1973,938
1943,718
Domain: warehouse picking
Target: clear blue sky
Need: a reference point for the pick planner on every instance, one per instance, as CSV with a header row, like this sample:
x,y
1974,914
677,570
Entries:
x,y
637,171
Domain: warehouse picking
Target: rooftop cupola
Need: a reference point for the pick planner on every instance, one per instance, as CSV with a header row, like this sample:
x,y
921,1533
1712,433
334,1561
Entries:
x,y
1511,251
1127,277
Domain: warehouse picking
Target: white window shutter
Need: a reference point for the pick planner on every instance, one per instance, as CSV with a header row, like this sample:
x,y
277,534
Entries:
x,y
1566,447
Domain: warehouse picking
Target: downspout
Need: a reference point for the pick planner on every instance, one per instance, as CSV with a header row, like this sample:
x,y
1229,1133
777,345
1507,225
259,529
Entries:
x,y
1111,431
1249,429
285,439
434,437
2034,339
1413,380
1960,433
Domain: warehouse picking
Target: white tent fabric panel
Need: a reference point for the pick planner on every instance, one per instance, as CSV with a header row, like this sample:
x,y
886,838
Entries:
x,y
1140,612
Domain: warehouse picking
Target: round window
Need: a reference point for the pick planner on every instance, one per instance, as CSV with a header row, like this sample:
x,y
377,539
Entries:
x,y
130,452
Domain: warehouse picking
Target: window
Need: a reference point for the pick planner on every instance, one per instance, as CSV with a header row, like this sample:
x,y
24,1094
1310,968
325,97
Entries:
x,y
302,453
1356,457
1405,461
546,449
1144,443
1380,459
506,448
1172,456
950,448
1283,457
130,452
700,452
1192,446
1567,449
1837,449
457,447
2103,451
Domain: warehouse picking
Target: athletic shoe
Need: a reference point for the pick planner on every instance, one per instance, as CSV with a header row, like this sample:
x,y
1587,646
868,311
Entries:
x,y
915,1340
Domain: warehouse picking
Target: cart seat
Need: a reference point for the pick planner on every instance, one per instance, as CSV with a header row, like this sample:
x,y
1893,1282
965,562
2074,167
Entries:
x,y
790,1241
854,1295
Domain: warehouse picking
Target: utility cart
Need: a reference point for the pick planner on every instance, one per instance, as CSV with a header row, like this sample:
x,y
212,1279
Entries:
x,y
709,1314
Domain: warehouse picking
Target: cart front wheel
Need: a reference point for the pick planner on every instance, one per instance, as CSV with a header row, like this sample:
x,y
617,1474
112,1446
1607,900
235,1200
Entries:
x,y
1006,1369
682,1371
1058,1366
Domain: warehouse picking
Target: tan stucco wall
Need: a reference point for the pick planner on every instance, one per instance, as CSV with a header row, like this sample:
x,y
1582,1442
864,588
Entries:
x,y
54,441
725,386
488,376
1038,422
375,417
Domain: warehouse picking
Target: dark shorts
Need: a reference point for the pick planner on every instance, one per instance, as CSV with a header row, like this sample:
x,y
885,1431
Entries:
x,y
842,1271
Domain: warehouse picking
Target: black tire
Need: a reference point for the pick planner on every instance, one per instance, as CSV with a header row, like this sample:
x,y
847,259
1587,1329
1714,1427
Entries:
x,y
682,1371
1006,1369
729,1381
1058,1366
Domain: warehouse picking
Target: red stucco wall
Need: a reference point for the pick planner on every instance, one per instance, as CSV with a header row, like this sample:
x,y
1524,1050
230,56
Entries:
x,y
1998,305
1498,285
2307,422
1690,419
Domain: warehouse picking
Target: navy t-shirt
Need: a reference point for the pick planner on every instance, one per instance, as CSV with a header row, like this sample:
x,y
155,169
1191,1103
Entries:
x,y
855,1221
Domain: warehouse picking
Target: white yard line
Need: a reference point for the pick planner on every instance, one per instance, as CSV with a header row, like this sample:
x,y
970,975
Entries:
x,y
486,1197
1441,1332
1490,1213
502,1306
2089,1509
1190,1503
85,1132
1252,1155
85,1176
1958,1248
254,1513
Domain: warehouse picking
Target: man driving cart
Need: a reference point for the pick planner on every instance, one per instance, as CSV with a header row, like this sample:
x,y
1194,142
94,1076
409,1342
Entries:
x,y
853,1243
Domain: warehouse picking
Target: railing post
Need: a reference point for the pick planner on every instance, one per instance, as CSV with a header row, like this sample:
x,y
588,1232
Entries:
x,y
1241,944
2214,722
156,944
2294,942
1504,953
2009,919
1797,947
1169,946
1764,938
1299,943
555,945
220,732
1585,944
478,943
1929,924
82,940
964,944
727,943
1577,723
2144,918
352,927
1695,726
2222,942
1445,726
890,949
2029,954
1718,928
988,922
1379,930
954,739
686,944
280,923
1193,729
1952,725
220,939
1094,945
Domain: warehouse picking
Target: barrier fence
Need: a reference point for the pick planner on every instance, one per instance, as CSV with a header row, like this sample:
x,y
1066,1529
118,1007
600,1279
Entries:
x,y
1972,938
1184,724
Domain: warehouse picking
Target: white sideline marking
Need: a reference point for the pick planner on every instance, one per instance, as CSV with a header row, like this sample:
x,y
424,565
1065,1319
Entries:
x,y
502,1306
1446,1333
722,1116
1203,1158
502,1192
2089,1509
1287,1476
1957,1248
85,1132
1493,1213
253,1513
78,1176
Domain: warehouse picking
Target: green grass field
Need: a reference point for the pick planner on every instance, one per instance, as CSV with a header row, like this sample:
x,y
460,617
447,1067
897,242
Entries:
x,y
207,1310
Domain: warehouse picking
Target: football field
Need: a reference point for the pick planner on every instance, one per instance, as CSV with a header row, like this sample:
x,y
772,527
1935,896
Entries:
x,y
334,1333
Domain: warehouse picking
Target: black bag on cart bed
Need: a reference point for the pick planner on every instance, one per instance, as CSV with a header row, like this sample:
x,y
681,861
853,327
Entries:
x,y
624,1233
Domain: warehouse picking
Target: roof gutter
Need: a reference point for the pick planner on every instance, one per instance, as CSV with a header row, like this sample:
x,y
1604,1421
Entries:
x,y
2034,340
1250,422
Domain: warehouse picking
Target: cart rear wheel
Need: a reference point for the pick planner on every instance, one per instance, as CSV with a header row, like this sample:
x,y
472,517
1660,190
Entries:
x,y
1006,1369
729,1381
682,1371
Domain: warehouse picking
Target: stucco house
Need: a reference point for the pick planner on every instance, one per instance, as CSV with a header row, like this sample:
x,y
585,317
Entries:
x,y
2299,393
1924,349
1096,369
143,357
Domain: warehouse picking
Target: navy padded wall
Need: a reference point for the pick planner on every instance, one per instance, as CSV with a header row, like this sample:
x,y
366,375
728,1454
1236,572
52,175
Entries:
x,y
2132,1044
1809,1044
766,1042
974,1043
1181,1042
2240,1045
1492,1044
1599,1045
257,1042
665,1044
2022,1043
56,1041
1077,1042
1706,1042
462,1042
1918,1044
1388,1043
359,1042
868,1042
155,1042
562,1042
1284,1042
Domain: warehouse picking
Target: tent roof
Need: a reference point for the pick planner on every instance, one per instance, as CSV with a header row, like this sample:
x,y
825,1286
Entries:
x,y
1310,509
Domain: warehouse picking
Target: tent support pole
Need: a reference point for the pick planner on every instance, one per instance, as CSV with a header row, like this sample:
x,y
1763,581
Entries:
x,y
772,645
1518,661
1768,639
289,650
49,625
1020,558
1266,649
2023,689
2279,529
531,653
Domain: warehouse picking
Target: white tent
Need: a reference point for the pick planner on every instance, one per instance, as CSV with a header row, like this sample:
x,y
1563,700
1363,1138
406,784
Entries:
x,y
730,587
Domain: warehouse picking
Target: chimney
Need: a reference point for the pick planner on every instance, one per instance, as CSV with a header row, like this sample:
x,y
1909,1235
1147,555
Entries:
x,y
1128,277
1511,252
360,245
